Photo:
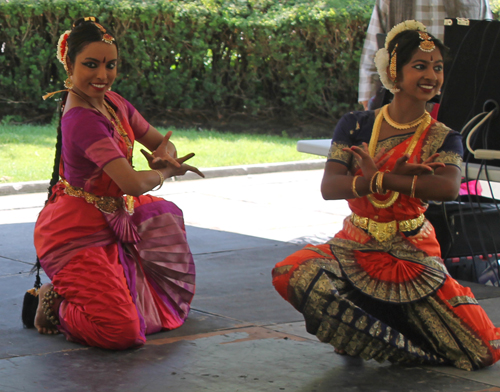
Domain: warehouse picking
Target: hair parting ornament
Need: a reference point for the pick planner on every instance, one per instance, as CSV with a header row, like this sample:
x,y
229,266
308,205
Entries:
x,y
383,59
427,44
105,36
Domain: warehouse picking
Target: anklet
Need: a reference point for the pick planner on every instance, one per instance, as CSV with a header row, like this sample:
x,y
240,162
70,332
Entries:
x,y
47,303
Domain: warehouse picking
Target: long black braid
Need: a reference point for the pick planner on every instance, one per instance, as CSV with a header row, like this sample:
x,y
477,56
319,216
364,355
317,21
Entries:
x,y
30,303
54,179
84,31
31,299
57,157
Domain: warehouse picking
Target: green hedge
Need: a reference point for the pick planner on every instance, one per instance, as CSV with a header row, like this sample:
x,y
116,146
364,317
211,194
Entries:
x,y
297,59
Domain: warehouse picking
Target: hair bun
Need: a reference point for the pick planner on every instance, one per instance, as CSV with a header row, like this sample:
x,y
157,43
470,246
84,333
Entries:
x,y
81,21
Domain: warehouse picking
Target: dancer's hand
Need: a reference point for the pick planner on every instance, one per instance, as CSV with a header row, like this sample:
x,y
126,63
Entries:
x,y
176,168
164,154
431,162
406,167
367,164
183,168
379,159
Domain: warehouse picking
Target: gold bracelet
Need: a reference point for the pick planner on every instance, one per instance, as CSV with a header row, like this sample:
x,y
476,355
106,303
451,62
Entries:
x,y
353,187
380,189
412,189
161,180
372,190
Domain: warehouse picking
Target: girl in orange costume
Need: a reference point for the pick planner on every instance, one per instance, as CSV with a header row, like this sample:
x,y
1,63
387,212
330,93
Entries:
x,y
379,289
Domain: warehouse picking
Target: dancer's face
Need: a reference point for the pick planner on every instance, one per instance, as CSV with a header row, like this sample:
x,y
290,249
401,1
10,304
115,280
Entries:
x,y
95,68
422,77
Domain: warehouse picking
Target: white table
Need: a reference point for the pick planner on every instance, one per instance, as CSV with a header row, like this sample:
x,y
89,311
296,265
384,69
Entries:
x,y
322,146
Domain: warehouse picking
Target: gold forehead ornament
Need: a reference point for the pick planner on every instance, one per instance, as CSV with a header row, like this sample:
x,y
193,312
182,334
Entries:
x,y
427,44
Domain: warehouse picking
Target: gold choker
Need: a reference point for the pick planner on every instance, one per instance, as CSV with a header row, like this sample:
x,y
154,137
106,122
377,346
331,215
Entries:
x,y
394,124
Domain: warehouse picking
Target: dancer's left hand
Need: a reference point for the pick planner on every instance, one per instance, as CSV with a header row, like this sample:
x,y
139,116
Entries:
x,y
164,154
406,167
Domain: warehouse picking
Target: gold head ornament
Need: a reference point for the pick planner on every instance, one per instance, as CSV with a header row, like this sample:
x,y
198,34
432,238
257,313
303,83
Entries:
x,y
105,36
427,44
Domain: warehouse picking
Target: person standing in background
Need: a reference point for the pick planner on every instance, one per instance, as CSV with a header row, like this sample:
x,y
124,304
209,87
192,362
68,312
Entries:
x,y
386,14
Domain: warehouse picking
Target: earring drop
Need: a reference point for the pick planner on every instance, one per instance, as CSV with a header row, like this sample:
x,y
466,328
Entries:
x,y
68,83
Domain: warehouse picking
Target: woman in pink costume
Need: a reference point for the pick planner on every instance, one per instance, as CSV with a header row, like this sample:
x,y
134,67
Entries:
x,y
118,260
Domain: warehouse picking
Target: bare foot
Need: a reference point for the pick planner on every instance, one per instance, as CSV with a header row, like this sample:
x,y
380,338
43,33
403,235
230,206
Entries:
x,y
340,351
43,325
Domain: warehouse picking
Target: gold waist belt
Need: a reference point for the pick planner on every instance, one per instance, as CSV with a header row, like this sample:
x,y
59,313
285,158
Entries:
x,y
106,204
385,231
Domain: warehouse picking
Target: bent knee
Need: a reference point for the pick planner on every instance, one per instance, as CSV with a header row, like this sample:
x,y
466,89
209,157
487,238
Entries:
x,y
126,334
281,278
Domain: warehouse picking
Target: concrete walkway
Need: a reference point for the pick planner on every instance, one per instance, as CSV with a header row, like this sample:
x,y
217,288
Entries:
x,y
240,336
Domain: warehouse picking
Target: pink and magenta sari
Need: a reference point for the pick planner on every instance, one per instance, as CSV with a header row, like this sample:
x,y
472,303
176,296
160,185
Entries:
x,y
122,276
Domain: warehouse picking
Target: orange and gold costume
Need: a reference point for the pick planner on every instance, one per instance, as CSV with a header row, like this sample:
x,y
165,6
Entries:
x,y
389,299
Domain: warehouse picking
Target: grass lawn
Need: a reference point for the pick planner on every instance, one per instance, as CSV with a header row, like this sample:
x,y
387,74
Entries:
x,y
27,151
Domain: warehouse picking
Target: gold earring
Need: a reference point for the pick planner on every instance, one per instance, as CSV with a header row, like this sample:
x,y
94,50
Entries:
x,y
68,83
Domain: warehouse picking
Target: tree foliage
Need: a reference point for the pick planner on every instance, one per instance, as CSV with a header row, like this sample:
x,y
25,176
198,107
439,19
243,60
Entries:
x,y
258,57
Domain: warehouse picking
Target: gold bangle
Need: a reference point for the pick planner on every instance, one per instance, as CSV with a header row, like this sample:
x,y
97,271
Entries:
x,y
380,189
412,189
353,187
372,190
161,180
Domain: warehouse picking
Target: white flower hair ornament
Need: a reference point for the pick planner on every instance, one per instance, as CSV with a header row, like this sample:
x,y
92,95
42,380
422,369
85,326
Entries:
x,y
383,59
382,62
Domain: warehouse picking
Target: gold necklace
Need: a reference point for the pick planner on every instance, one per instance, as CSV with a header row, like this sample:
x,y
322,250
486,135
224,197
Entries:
x,y
394,124
409,150
119,127
129,200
